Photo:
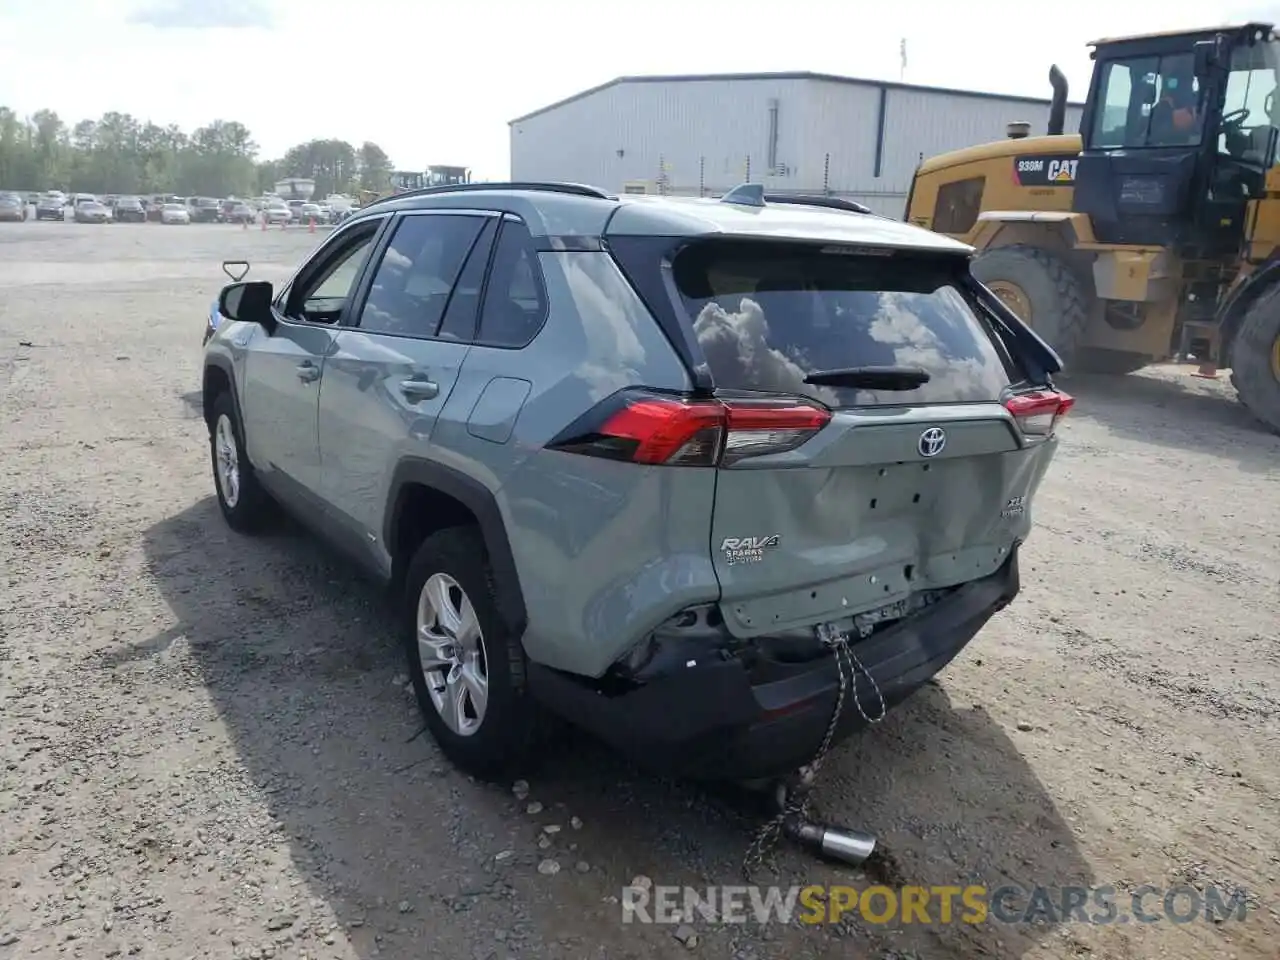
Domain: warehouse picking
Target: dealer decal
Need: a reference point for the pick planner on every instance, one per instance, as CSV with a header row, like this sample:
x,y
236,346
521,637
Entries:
x,y
1045,171
738,550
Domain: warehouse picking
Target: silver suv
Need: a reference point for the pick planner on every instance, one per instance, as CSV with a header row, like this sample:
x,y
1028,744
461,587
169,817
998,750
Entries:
x,y
646,464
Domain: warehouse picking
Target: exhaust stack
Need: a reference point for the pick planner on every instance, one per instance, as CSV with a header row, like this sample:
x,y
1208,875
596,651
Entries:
x,y
1058,105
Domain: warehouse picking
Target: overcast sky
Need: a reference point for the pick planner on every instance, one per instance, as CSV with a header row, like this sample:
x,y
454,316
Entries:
x,y
436,82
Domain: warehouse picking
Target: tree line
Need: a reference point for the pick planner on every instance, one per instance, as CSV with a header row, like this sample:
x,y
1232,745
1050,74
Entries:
x,y
120,154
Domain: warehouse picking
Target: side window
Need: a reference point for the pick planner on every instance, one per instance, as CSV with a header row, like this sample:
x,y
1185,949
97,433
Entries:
x,y
321,296
956,210
413,283
515,300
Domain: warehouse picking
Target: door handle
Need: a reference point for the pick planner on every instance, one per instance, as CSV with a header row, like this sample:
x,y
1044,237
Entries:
x,y
308,372
415,390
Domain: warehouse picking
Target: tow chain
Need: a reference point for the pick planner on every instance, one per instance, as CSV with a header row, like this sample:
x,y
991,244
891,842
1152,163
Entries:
x,y
795,802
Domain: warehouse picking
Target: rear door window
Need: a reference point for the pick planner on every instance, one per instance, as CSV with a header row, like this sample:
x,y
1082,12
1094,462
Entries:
x,y
769,315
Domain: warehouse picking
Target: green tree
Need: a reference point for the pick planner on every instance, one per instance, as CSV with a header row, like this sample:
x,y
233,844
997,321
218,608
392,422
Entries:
x,y
119,153
375,167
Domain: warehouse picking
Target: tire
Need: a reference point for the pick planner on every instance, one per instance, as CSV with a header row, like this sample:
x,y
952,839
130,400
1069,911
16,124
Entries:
x,y
1056,298
502,741
1254,359
246,507
1110,362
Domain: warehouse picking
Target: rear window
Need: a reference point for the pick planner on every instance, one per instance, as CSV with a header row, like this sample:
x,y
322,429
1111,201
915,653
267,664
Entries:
x,y
769,315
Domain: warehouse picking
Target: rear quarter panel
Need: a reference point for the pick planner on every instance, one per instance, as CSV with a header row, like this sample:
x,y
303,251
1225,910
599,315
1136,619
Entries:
x,y
605,551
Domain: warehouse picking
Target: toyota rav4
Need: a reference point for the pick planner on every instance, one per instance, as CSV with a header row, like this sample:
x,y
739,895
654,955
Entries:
x,y
647,464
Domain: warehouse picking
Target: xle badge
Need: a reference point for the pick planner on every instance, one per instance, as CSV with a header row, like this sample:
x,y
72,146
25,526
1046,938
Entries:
x,y
746,549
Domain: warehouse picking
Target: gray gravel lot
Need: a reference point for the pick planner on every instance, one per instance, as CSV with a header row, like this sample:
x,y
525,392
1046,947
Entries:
x,y
207,750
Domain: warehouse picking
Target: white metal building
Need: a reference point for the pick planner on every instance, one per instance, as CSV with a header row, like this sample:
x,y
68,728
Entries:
x,y
795,132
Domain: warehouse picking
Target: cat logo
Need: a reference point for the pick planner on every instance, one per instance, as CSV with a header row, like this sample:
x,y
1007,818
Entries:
x,y
1062,171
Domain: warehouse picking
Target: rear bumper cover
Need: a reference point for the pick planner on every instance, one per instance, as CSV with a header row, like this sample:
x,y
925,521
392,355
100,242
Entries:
x,y
714,722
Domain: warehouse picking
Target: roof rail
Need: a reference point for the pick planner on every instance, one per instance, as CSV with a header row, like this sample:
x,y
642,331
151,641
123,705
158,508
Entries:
x,y
572,189
832,203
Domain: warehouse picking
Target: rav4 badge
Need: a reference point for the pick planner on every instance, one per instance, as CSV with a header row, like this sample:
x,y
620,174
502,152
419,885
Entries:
x,y
746,549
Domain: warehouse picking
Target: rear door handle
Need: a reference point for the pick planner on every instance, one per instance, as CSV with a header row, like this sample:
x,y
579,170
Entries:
x,y
308,372
419,389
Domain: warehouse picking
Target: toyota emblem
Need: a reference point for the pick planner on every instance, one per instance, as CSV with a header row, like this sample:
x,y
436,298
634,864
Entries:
x,y
932,442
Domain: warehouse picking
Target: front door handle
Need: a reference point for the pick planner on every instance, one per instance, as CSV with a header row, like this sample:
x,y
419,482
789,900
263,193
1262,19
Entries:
x,y
308,372
416,390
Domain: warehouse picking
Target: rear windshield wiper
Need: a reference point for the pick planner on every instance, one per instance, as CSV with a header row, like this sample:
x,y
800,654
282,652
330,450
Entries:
x,y
871,378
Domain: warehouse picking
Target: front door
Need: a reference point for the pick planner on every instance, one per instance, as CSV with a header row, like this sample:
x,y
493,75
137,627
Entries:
x,y
283,369
393,369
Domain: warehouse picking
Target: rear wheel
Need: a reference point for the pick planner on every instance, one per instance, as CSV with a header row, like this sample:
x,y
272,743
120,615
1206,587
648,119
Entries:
x,y
1255,359
468,668
1041,289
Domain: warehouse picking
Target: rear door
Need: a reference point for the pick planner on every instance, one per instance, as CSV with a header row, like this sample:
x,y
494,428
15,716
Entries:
x,y
392,371
883,492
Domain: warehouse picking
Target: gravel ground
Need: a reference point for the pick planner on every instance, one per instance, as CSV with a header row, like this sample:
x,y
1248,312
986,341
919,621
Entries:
x,y
207,750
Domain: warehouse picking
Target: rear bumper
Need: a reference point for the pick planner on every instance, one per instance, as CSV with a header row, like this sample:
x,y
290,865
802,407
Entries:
x,y
714,721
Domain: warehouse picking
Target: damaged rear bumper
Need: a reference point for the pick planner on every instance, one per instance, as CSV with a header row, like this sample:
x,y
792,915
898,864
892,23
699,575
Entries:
x,y
719,720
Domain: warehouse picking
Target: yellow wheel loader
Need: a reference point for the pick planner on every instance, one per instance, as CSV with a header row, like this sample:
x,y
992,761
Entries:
x,y
1153,232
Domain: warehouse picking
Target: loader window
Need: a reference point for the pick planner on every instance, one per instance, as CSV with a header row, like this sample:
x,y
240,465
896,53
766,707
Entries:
x,y
767,315
1249,108
1148,102
956,210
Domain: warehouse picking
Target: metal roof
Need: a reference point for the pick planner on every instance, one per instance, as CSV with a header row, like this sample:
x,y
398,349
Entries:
x,y
1193,32
796,75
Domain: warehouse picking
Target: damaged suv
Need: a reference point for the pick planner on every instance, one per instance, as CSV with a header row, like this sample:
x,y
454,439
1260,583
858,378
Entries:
x,y
645,464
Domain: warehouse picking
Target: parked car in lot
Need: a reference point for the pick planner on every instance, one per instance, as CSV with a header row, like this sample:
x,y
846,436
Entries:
x,y
650,464
203,209
13,207
175,213
274,213
310,213
129,210
239,212
295,210
52,207
91,211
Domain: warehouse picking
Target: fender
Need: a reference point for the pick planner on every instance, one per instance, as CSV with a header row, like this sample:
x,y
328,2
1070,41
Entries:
x,y
484,507
1237,302
224,364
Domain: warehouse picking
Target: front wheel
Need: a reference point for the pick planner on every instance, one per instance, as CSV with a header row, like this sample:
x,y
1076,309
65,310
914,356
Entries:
x,y
244,503
1041,289
1255,359
468,668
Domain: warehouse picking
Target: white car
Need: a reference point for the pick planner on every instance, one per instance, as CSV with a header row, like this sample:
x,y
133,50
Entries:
x,y
275,213
174,213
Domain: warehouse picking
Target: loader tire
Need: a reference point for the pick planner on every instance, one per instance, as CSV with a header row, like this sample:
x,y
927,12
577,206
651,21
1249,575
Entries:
x,y
1042,290
1255,359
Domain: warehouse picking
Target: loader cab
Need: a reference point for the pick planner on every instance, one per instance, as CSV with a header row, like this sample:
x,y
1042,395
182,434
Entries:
x,y
1177,135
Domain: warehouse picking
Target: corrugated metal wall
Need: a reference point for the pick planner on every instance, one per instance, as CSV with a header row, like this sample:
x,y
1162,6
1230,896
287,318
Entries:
x,y
701,131
702,134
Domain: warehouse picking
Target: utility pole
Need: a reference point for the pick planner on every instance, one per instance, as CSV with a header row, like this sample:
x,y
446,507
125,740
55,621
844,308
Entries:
x,y
902,59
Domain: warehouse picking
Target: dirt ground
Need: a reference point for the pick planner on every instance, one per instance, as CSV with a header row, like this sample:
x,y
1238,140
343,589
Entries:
x,y
207,751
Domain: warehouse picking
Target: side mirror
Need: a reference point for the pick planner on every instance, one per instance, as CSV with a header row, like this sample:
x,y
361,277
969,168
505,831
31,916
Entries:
x,y
1211,55
248,302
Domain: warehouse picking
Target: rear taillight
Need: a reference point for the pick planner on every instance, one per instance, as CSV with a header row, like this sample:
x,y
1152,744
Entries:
x,y
652,428
1038,412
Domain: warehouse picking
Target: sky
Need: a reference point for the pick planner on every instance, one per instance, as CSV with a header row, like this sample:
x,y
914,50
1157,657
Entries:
x,y
437,83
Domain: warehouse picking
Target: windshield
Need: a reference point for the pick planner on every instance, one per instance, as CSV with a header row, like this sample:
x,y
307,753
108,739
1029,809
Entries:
x,y
767,316
1151,101
1249,116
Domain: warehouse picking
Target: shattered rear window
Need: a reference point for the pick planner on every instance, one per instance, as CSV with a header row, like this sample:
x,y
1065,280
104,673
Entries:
x,y
767,315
